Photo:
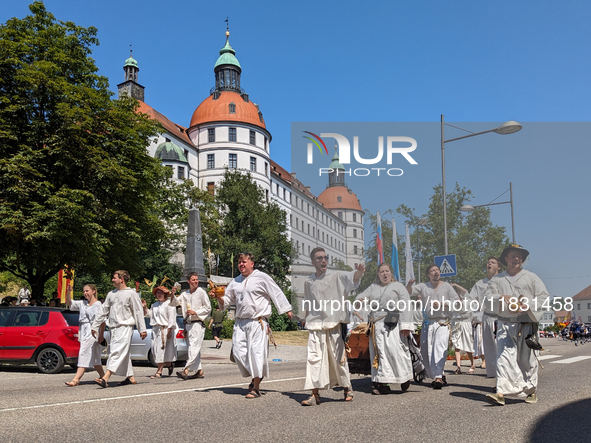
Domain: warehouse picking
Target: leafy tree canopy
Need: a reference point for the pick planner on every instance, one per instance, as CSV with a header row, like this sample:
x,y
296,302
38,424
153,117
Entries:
x,y
77,185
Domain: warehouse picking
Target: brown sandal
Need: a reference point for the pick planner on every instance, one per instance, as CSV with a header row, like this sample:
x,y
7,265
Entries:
x,y
313,400
348,395
72,383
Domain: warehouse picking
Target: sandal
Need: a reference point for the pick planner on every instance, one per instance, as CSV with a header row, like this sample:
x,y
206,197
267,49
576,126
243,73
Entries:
x,y
127,381
404,386
170,369
311,401
254,393
438,383
457,372
101,382
348,395
72,383
251,385
156,375
471,370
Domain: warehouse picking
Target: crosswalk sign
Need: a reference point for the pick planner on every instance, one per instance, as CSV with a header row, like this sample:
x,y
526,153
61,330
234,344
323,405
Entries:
x,y
447,265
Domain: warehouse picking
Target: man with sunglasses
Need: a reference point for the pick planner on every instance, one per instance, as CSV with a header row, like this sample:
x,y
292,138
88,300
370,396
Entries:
x,y
252,292
326,315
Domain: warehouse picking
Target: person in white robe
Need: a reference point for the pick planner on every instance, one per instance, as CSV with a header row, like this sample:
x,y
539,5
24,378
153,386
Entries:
x,y
436,297
519,301
252,292
462,337
123,309
485,342
89,355
163,322
391,322
326,317
195,307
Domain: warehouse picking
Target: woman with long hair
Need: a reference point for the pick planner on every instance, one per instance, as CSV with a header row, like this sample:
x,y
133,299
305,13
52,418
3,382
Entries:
x,y
90,348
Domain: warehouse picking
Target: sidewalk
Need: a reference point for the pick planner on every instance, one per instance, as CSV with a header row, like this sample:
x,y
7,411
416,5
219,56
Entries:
x,y
209,354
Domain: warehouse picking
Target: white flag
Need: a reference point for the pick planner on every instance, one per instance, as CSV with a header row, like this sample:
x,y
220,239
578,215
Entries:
x,y
410,272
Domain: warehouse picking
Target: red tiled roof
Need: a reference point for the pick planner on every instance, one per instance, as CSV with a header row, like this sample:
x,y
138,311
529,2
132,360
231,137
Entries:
x,y
585,294
211,110
329,198
171,127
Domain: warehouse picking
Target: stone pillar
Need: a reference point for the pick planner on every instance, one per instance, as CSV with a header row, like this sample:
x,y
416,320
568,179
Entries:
x,y
194,252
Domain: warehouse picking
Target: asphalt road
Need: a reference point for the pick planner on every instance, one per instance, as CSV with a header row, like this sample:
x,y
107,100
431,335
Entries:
x,y
38,407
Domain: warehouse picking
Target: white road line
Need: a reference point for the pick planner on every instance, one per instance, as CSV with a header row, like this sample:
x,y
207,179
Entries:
x,y
572,359
548,356
79,402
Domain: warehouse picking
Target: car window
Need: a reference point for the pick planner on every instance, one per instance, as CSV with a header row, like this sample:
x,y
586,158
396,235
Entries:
x,y
27,318
44,318
4,316
180,321
72,317
148,325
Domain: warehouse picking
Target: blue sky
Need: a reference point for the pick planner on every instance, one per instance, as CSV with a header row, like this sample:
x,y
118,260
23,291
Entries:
x,y
348,61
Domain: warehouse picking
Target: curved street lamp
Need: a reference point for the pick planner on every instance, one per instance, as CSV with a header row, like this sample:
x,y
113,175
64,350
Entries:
x,y
509,127
470,208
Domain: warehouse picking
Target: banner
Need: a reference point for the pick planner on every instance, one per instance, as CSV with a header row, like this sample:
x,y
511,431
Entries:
x,y
64,278
379,244
394,260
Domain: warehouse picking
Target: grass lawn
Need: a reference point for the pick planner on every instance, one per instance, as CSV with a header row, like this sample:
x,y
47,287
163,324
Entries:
x,y
292,338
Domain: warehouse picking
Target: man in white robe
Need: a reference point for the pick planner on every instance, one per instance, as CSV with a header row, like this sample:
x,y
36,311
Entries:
x,y
252,292
436,297
326,315
462,337
124,310
484,331
196,307
518,298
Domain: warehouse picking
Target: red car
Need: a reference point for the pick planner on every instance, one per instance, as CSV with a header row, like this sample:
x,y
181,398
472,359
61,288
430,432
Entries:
x,y
47,337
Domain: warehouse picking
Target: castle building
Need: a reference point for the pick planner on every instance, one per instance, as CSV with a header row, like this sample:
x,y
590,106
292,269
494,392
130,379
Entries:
x,y
227,130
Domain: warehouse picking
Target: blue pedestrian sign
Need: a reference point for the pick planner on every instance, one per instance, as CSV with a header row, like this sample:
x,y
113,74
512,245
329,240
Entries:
x,y
447,265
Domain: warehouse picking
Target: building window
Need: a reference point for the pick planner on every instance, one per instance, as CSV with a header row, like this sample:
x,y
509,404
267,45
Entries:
x,y
588,305
267,195
341,215
252,138
210,161
211,135
354,233
233,161
355,251
210,187
291,219
232,107
298,245
180,172
297,223
170,167
253,164
302,225
266,167
339,199
578,306
313,231
266,147
308,228
232,134
355,219
308,249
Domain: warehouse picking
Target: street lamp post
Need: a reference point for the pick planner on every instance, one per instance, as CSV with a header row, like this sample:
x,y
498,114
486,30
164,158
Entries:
x,y
509,127
421,222
469,208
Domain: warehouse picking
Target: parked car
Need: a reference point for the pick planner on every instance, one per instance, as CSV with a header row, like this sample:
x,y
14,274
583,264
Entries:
x,y
47,337
141,350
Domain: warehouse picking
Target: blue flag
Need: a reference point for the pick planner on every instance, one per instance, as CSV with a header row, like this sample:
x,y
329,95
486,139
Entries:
x,y
394,261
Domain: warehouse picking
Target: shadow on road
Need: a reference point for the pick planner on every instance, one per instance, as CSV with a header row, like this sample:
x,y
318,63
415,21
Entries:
x,y
571,420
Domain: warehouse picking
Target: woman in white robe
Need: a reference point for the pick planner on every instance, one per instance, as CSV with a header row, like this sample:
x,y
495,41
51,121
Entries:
x,y
387,342
461,329
89,355
163,321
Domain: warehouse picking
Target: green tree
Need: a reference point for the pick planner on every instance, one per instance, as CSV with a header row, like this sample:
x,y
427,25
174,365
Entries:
x,y
471,236
77,185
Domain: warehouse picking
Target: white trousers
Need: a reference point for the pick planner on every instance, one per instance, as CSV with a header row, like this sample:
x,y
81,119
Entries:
x,y
490,345
461,335
195,334
394,362
434,344
168,354
517,367
327,365
250,346
119,362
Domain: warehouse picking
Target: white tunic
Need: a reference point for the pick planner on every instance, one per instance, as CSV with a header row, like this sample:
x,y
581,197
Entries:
x,y
162,318
433,300
462,336
123,308
253,295
324,304
517,367
485,342
394,361
197,301
90,349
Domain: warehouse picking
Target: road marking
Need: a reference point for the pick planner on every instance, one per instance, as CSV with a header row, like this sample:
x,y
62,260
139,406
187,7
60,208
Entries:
x,y
150,394
572,359
548,356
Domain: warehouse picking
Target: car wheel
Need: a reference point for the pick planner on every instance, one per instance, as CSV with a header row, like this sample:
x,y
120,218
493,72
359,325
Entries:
x,y
50,361
151,359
